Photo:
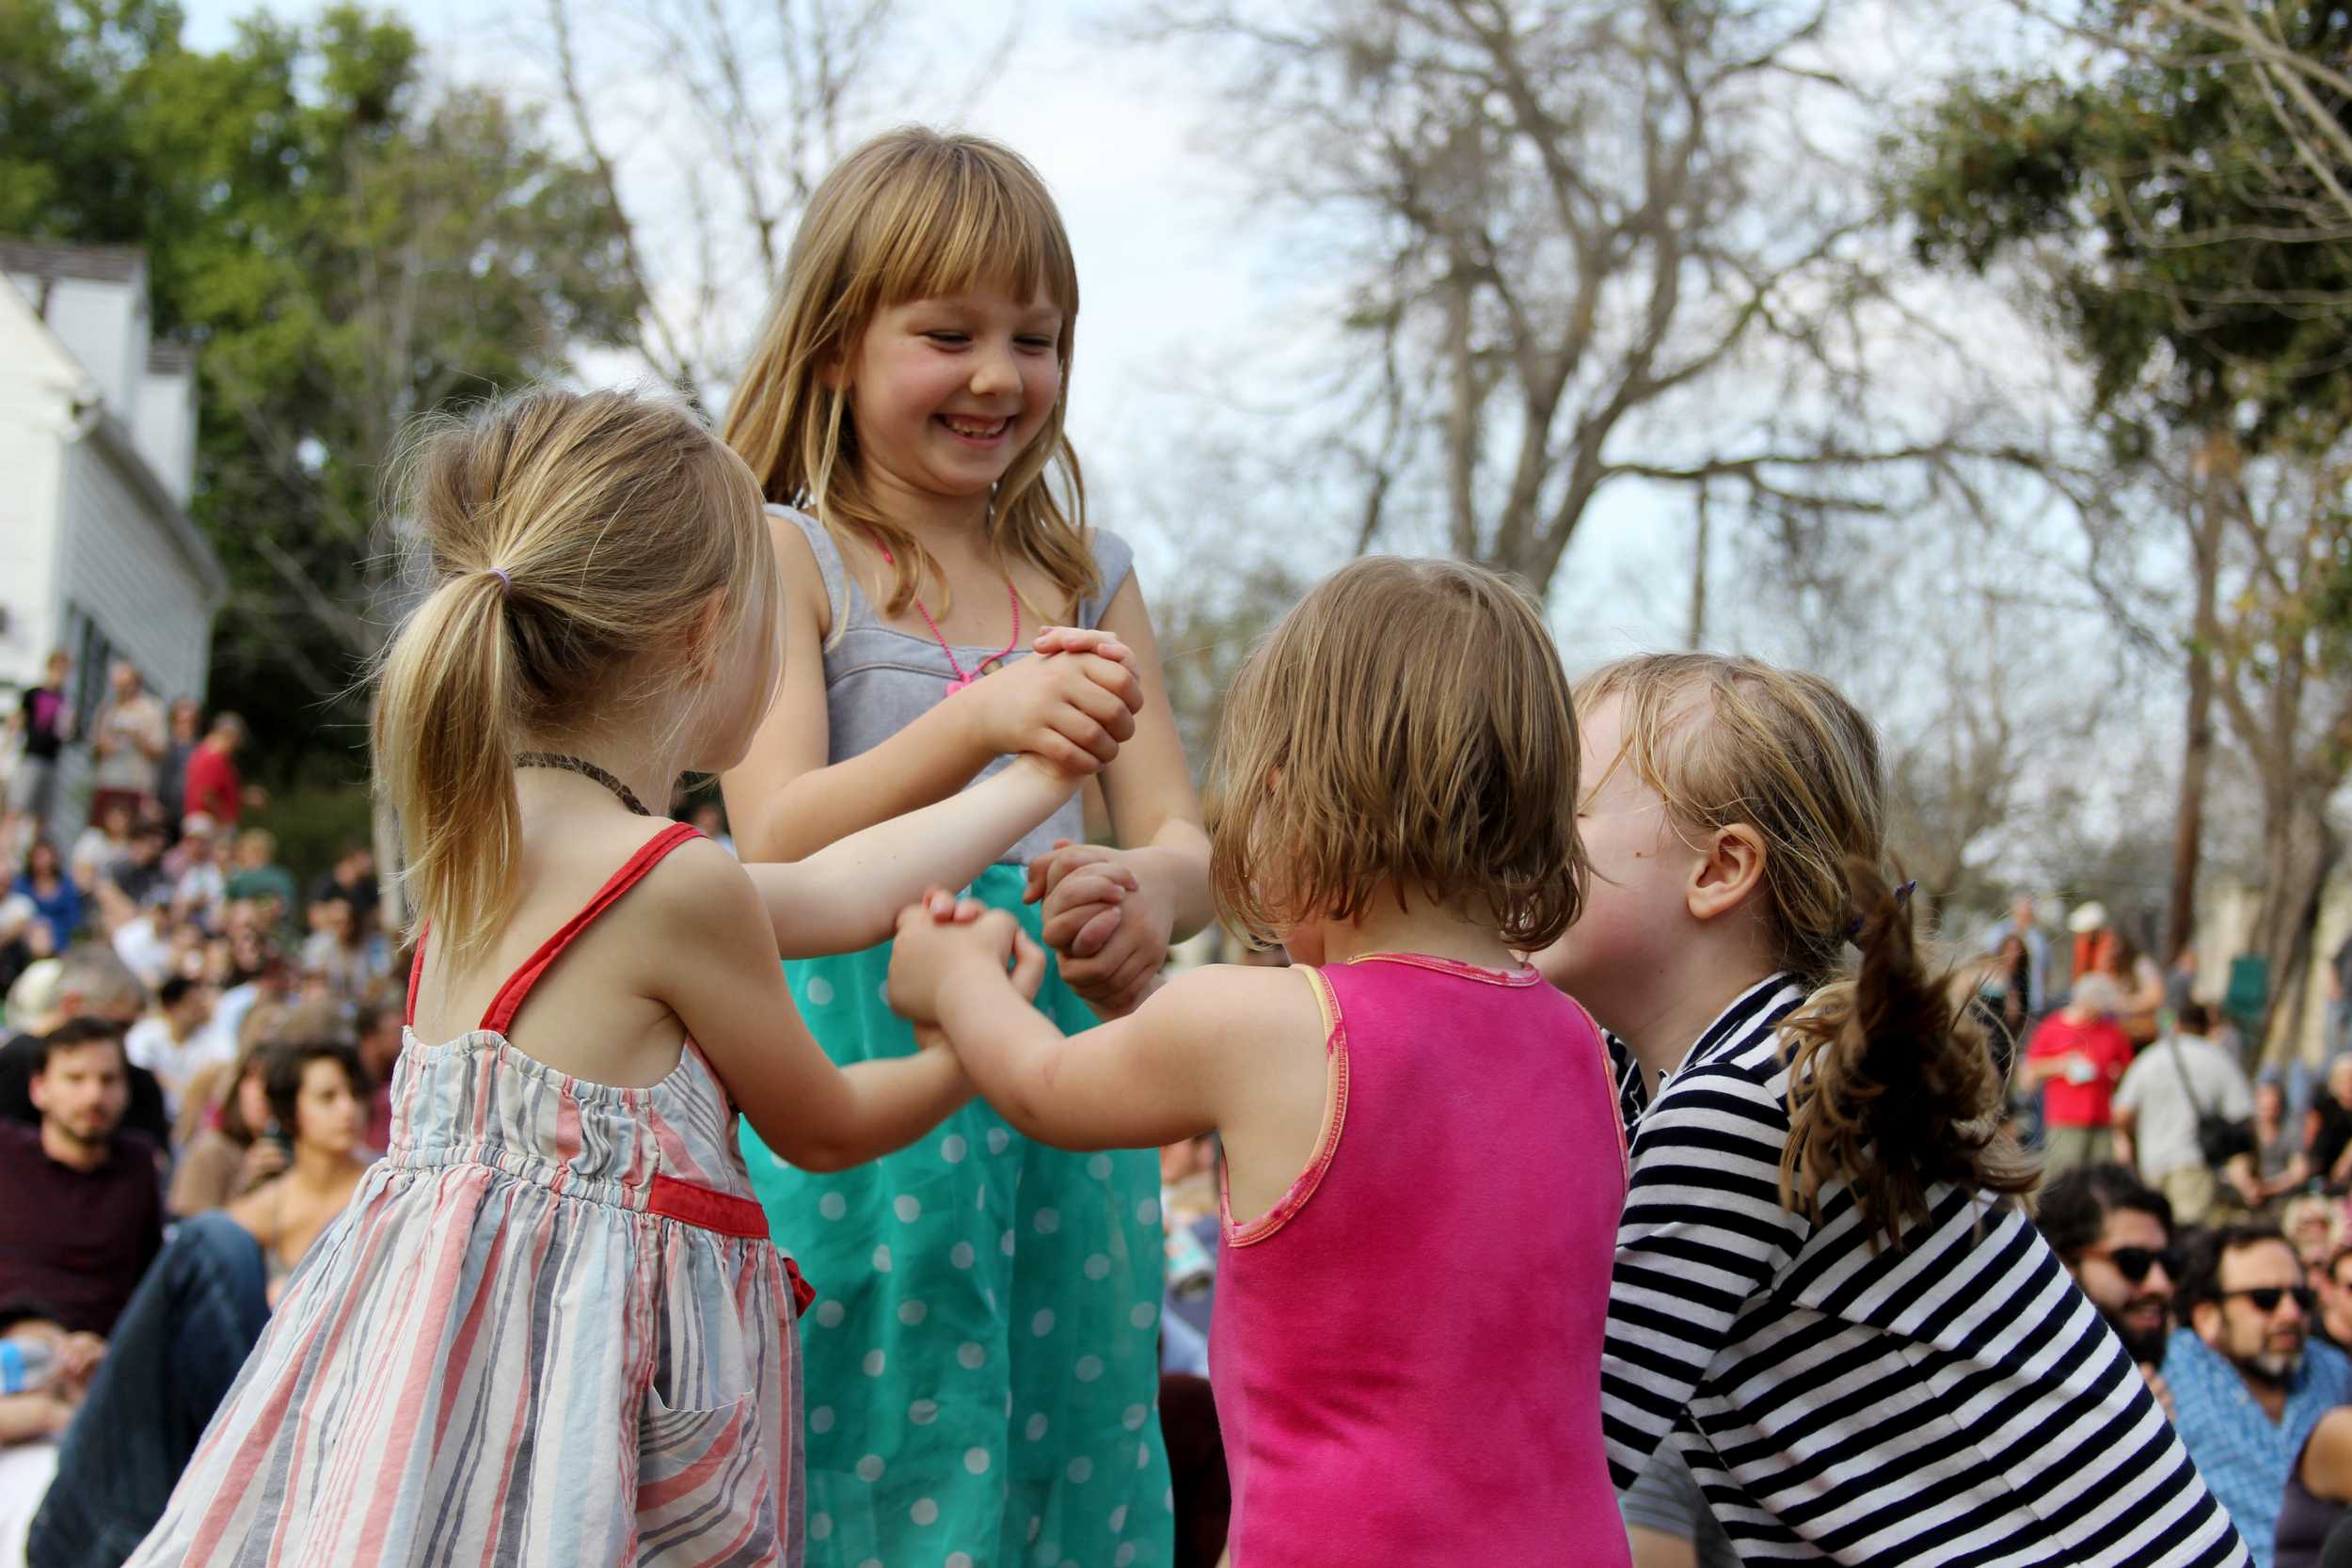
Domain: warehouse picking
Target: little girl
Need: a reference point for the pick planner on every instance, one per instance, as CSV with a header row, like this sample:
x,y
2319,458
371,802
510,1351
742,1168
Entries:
x,y
1825,1289
1424,1162
546,1330
982,1359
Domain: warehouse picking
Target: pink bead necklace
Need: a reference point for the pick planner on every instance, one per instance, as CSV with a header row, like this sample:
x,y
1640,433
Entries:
x,y
963,677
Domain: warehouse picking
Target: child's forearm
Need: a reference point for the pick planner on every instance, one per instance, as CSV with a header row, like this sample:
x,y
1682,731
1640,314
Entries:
x,y
1175,866
847,895
927,762
896,1101
1007,1047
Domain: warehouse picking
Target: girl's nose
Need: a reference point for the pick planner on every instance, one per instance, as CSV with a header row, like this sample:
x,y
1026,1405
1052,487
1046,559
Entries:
x,y
994,372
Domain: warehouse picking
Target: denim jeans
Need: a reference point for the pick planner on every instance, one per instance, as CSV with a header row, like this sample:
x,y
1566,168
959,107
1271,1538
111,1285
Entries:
x,y
173,1354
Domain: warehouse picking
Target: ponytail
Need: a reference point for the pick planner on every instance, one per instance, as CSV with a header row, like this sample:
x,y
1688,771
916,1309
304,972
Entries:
x,y
446,724
1892,1086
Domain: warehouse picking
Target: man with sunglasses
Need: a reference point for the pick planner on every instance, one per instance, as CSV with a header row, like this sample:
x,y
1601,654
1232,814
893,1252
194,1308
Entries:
x,y
2114,1234
2248,1384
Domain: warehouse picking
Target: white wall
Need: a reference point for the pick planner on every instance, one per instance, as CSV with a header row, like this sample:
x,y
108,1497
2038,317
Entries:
x,y
164,425
35,400
121,570
103,326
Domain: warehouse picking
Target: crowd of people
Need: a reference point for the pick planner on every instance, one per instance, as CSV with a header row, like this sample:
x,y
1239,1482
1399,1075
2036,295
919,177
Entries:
x,y
197,1046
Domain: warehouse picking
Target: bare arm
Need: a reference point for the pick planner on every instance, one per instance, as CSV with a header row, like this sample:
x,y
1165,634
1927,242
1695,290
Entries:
x,y
845,897
734,1004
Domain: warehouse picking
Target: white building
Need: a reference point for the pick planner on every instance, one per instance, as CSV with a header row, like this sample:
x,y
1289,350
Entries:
x,y
98,555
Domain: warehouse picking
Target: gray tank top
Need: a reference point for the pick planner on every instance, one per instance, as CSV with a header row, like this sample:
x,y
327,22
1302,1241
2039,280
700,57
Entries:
x,y
879,679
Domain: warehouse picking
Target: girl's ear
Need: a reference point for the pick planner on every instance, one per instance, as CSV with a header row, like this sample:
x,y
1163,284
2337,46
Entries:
x,y
1730,868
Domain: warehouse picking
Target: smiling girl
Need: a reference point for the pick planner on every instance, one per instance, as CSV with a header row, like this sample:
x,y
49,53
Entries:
x,y
982,1361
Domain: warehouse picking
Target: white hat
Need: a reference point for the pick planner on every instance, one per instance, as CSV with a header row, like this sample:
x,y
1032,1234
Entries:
x,y
2087,918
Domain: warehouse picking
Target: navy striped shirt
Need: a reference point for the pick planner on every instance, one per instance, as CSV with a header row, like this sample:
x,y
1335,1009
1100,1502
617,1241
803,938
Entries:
x,y
1955,1401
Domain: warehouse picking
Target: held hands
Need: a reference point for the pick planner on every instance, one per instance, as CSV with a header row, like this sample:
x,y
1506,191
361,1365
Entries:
x,y
1111,932
1072,706
944,941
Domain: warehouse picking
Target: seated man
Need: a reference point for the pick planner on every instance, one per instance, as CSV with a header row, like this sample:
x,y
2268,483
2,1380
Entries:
x,y
2115,1236
84,1211
91,982
2248,1386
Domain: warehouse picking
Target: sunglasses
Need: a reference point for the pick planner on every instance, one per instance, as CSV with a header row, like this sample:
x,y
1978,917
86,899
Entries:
x,y
2268,1297
2133,1262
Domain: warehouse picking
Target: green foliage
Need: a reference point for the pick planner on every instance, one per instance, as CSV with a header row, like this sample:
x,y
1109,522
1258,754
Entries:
x,y
2204,276
346,244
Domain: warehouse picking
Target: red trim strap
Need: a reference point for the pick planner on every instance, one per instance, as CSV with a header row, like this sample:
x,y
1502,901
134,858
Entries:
x,y
510,997
691,1203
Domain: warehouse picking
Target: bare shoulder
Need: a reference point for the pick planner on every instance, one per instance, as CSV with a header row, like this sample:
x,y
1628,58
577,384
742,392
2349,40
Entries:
x,y
804,580
699,887
1240,1003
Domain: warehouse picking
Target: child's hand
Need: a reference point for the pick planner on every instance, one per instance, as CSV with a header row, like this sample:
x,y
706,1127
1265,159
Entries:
x,y
1074,709
1083,886
1112,934
931,950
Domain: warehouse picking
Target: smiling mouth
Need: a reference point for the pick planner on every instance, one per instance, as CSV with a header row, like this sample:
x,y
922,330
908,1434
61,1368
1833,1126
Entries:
x,y
976,430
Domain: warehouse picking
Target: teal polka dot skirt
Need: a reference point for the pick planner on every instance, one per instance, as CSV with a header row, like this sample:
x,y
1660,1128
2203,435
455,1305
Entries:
x,y
982,1361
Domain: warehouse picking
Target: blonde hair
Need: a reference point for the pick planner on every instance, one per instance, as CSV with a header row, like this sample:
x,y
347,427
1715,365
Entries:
x,y
1407,725
568,535
1892,1088
912,215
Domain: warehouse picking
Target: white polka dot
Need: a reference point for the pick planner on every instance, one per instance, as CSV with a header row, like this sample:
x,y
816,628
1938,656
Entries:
x,y
882,992
908,1208
989,1295
1036,1523
1088,1369
1143,1314
1119,1520
821,991
1132,1418
1098,1266
1047,1221
820,1526
923,1412
832,1206
829,1314
871,1562
870,1467
1047,1551
820,1419
1043,1324
912,1312
979,1199
924,1511
1168,1499
1007,1244
874,1362
1037,1427
1100,1167
778,1160
881,1259
961,1254
997,1139
971,1355
1125,1555
1148,1212
952,1149
976,1460
1080,1470
1143,1457
958,1559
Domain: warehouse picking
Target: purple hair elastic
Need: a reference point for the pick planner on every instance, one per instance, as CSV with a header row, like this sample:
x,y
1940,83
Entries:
x,y
506,584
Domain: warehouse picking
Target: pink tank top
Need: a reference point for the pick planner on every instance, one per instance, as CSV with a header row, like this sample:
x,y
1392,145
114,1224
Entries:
x,y
1406,1350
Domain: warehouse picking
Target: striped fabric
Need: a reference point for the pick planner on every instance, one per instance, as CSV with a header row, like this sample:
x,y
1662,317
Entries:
x,y
1956,1402
508,1349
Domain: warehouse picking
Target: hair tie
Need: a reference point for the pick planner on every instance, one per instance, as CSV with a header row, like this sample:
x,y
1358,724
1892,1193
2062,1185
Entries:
x,y
506,584
1902,895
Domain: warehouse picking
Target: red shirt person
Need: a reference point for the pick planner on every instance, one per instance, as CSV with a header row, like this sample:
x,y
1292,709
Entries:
x,y
213,788
2076,1058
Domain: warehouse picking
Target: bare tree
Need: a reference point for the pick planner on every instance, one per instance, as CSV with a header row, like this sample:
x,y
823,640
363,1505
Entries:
x,y
1578,242
707,124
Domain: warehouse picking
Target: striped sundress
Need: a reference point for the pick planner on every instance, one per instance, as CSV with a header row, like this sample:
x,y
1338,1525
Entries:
x,y
551,1329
